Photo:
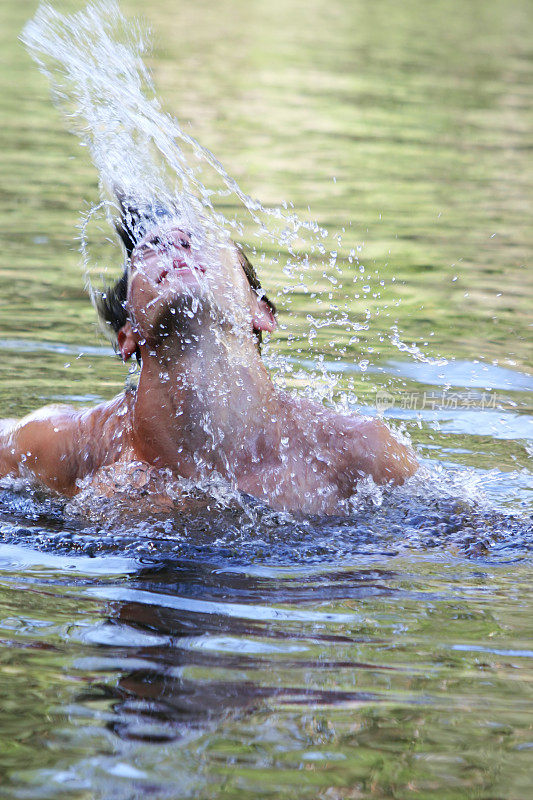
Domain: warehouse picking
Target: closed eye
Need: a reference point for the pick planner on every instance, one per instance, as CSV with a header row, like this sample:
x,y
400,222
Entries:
x,y
161,244
153,244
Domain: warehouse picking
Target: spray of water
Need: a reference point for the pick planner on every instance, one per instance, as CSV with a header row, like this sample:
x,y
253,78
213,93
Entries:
x,y
94,62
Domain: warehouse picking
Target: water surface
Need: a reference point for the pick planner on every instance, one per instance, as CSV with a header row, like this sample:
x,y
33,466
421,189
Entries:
x,y
238,652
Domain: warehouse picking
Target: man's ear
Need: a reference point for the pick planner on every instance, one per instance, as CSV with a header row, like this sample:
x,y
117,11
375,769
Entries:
x,y
127,341
263,318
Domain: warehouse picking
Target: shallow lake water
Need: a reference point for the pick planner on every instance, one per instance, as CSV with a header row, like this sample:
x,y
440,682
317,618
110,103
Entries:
x,y
236,651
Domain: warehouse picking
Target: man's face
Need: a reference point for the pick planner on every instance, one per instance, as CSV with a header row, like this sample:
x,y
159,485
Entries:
x,y
172,275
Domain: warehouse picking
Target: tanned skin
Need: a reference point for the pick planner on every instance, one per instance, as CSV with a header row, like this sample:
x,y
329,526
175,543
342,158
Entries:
x,y
205,402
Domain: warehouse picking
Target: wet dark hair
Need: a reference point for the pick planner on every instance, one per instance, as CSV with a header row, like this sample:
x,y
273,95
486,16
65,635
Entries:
x,y
132,226
111,306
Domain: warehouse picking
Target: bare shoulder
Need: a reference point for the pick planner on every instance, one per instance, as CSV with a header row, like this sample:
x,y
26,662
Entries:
x,y
356,445
59,444
59,418
41,418
17,432
7,425
367,446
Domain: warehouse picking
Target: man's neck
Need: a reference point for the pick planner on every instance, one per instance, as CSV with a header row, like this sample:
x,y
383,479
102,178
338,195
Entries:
x,y
205,402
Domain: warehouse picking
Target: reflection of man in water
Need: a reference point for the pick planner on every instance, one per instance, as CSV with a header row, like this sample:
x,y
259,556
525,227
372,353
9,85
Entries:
x,y
193,313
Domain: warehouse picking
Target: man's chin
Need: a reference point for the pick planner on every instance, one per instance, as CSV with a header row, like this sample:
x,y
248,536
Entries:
x,y
175,310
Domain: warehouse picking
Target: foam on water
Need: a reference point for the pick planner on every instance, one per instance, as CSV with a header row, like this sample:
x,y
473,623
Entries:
x,y
215,524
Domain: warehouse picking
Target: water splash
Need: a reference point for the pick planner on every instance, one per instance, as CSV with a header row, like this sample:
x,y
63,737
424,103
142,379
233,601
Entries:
x,y
94,62
233,528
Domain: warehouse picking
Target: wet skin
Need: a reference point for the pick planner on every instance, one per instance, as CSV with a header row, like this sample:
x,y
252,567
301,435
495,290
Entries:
x,y
205,402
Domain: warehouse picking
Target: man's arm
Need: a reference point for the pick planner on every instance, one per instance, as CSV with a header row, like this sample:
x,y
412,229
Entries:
x,y
395,460
375,451
59,444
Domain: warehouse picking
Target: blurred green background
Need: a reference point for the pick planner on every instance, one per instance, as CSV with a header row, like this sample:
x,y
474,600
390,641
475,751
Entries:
x,y
404,127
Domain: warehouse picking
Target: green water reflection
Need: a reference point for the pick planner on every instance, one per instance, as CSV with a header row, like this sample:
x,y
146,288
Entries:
x,y
374,706
405,127
422,115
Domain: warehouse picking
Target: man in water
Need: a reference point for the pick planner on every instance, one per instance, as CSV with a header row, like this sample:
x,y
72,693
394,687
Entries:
x,y
193,312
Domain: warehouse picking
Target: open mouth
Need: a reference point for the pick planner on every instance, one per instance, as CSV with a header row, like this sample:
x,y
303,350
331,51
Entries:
x,y
181,267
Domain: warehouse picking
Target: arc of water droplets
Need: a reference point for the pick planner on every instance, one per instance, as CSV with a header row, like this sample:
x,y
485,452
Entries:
x,y
110,83
93,60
